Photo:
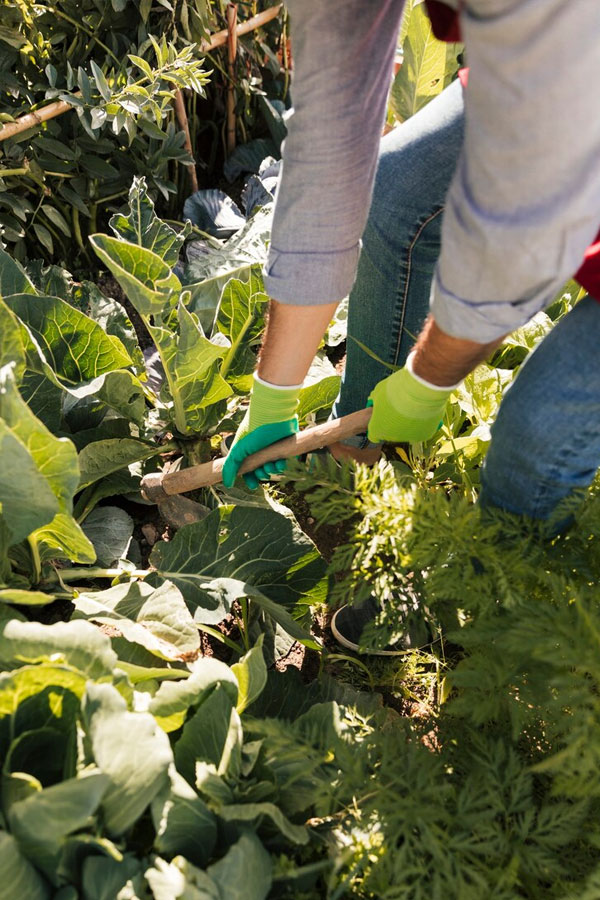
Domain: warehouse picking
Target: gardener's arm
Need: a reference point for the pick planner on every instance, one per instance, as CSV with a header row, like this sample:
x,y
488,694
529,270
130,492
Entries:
x,y
524,202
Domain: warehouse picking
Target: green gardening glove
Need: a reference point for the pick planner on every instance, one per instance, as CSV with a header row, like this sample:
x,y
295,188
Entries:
x,y
271,416
406,408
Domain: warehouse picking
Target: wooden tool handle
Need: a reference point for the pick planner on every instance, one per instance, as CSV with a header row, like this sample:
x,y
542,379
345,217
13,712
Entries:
x,y
157,485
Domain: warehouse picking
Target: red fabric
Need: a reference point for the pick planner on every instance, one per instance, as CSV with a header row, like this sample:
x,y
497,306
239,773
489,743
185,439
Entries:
x,y
588,274
444,21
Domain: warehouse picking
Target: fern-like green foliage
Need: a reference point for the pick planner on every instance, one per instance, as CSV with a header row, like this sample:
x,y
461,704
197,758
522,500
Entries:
x,y
496,794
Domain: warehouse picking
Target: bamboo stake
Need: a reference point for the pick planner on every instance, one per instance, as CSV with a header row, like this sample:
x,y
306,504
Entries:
x,y
33,119
232,53
182,119
219,38
58,107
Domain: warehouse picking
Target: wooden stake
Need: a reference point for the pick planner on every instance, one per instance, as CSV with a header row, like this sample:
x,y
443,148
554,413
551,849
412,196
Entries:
x,y
232,53
33,119
182,120
220,38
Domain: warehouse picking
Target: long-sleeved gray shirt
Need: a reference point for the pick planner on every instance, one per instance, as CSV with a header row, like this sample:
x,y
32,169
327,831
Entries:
x,y
525,199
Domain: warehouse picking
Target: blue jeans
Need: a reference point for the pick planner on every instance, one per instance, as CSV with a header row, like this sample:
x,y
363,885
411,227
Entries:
x,y
546,439
400,246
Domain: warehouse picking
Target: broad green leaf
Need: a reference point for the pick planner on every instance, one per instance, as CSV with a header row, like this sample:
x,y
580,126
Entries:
x,y
13,279
257,548
74,346
250,812
480,394
63,538
76,644
12,348
180,880
318,396
25,598
251,674
171,702
143,227
146,279
43,820
110,315
40,696
131,749
184,824
240,318
190,362
244,873
109,529
212,735
55,458
45,754
102,458
428,66
156,618
230,590
19,877
123,392
206,274
26,499
103,877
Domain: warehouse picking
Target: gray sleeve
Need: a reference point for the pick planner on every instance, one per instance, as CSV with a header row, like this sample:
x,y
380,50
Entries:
x,y
525,200
343,52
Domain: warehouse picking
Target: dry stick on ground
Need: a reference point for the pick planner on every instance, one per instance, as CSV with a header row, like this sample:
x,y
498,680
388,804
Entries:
x,y
58,107
232,53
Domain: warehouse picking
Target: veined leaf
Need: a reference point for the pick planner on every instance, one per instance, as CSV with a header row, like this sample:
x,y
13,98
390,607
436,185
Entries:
x,y
19,877
146,279
55,458
226,554
428,66
63,538
102,458
244,873
13,279
171,702
12,348
212,735
73,345
76,644
156,618
240,318
44,819
184,824
251,674
27,501
131,749
190,364
143,227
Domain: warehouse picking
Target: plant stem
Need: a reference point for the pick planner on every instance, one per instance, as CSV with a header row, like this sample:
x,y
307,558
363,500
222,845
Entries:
x,y
77,228
35,558
214,632
245,635
341,657
9,173
97,572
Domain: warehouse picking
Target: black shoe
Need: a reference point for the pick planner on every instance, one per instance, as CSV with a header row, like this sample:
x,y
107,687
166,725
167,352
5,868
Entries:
x,y
349,622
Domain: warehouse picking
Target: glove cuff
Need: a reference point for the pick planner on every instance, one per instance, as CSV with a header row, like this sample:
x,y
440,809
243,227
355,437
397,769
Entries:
x,y
433,387
270,403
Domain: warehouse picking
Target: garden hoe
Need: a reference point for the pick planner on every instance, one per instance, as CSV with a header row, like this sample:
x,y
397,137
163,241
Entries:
x,y
161,487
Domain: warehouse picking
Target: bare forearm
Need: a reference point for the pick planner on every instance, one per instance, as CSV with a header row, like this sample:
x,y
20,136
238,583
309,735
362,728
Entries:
x,y
443,360
292,337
